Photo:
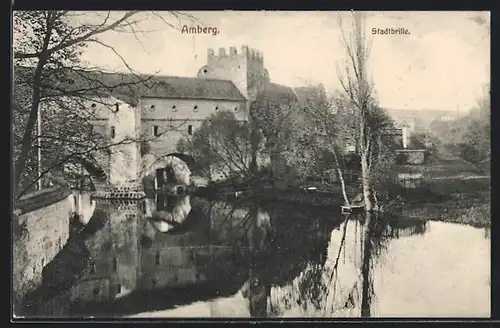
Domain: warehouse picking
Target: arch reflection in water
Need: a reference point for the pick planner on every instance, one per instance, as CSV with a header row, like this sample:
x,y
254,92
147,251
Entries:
x,y
169,213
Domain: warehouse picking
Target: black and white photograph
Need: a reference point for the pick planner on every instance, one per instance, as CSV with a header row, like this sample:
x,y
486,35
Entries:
x,y
251,164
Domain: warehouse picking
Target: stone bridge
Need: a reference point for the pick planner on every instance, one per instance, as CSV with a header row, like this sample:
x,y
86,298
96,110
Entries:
x,y
182,166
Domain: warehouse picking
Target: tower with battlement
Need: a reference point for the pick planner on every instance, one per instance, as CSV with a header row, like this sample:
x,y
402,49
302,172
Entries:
x,y
245,69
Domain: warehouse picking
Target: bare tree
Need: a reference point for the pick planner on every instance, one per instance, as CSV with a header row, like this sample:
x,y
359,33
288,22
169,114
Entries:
x,y
221,144
355,82
48,69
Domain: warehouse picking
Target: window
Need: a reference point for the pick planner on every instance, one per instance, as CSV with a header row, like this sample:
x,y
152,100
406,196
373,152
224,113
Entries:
x,y
235,108
153,283
152,108
117,107
174,108
92,269
95,291
205,71
118,288
93,106
190,130
195,108
216,107
156,131
113,132
115,265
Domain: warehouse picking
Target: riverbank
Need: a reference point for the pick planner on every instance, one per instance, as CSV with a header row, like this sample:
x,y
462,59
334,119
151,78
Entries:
x,y
471,205
457,192
454,191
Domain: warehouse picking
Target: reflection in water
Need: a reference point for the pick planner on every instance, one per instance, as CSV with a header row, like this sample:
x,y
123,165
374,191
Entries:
x,y
168,213
192,257
370,273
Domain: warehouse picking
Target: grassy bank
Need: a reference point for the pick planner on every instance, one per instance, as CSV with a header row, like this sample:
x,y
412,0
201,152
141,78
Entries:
x,y
456,192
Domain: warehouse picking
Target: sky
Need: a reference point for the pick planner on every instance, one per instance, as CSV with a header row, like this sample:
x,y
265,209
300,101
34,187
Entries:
x,y
442,64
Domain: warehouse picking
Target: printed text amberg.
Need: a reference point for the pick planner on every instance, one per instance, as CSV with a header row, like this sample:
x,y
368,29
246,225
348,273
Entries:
x,y
199,30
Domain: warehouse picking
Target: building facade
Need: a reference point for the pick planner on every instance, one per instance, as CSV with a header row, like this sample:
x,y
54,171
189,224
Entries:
x,y
173,108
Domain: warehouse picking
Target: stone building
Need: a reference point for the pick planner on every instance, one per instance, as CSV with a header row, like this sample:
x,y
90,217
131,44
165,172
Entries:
x,y
168,108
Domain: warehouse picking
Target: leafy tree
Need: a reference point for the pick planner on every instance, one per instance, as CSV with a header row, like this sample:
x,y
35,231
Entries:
x,y
470,136
313,146
271,116
326,126
478,133
221,145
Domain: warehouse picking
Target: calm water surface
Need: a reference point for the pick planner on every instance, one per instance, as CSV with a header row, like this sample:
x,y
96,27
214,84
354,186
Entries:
x,y
190,257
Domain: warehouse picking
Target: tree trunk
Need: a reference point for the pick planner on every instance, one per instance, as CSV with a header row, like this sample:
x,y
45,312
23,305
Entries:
x,y
341,175
342,185
366,274
365,180
26,143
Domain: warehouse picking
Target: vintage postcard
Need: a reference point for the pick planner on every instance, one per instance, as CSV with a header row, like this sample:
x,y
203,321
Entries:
x,y
267,164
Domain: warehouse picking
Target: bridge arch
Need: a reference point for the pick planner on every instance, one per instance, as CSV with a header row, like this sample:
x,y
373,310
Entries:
x,y
97,174
182,166
188,159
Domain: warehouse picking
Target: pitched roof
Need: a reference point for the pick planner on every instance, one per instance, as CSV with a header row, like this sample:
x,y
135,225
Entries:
x,y
193,88
130,88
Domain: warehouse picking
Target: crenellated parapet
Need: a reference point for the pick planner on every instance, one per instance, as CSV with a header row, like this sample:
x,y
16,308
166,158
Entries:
x,y
245,52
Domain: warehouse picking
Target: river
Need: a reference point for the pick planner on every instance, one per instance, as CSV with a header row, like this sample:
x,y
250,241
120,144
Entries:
x,y
192,257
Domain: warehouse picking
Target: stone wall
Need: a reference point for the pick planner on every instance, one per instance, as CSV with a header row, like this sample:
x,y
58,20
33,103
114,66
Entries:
x,y
40,230
166,121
